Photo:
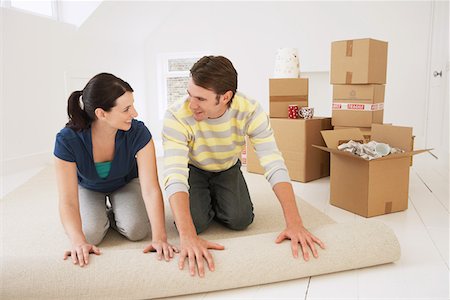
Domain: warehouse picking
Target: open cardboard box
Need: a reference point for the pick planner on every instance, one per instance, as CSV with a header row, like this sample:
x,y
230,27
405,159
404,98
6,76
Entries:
x,y
375,187
367,133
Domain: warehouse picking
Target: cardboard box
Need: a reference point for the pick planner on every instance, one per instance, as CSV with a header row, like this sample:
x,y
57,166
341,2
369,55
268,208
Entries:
x,y
294,138
361,61
358,105
370,188
367,134
284,92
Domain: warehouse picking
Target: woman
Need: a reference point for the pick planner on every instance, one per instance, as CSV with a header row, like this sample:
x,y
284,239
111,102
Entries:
x,y
106,171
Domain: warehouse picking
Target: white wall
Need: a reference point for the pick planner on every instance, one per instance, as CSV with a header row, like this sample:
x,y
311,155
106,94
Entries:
x,y
250,32
37,52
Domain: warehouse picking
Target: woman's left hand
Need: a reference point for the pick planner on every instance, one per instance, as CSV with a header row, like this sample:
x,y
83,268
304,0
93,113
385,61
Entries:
x,y
162,248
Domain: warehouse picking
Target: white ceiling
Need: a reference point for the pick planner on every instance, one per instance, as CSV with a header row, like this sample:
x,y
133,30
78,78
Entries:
x,y
127,20
76,12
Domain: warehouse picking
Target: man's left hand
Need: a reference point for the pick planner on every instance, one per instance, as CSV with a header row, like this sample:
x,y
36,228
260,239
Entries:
x,y
299,235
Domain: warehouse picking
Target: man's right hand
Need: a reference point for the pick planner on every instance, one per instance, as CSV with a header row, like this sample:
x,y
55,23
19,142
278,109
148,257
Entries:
x,y
80,253
195,249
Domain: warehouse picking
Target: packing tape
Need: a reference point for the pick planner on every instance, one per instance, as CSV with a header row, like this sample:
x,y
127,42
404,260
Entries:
x,y
348,77
349,53
358,106
388,207
294,99
349,50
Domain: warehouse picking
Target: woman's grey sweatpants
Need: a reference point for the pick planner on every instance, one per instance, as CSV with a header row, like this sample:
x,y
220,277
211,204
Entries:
x,y
127,213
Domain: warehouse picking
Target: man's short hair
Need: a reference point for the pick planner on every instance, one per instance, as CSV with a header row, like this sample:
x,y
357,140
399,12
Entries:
x,y
215,73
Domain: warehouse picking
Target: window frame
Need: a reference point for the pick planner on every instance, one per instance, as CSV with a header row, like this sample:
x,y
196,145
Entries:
x,y
54,6
164,73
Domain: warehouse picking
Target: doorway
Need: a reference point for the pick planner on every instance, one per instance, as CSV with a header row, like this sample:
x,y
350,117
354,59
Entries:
x,y
437,126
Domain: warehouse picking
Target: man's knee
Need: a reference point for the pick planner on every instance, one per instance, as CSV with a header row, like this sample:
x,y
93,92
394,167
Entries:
x,y
239,220
201,223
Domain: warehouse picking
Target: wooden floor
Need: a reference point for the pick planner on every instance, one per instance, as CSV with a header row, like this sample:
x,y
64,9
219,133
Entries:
x,y
423,232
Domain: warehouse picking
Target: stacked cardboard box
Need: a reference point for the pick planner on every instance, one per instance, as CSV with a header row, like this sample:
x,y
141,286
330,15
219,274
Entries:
x,y
379,186
358,75
294,137
284,92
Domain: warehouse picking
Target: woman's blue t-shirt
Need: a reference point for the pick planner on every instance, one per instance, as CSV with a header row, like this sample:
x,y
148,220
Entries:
x,y
76,146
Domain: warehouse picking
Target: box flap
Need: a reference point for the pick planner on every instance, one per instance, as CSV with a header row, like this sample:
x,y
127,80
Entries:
x,y
400,155
391,156
395,136
322,148
339,152
332,137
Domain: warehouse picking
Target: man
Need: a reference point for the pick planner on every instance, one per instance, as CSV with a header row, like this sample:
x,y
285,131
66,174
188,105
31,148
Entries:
x,y
203,136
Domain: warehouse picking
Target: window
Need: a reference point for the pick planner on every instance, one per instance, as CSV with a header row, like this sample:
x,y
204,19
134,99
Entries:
x,y
42,8
70,12
173,77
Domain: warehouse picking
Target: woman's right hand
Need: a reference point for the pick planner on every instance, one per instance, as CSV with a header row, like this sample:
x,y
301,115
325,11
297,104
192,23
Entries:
x,y
80,253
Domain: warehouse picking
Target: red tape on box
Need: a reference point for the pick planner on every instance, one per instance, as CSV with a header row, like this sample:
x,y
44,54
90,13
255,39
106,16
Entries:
x,y
358,106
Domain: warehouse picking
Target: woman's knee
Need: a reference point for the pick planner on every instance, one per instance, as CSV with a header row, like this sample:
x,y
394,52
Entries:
x,y
133,230
94,235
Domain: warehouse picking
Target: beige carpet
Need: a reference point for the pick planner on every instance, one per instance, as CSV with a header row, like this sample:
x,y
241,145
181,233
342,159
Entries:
x,y
33,242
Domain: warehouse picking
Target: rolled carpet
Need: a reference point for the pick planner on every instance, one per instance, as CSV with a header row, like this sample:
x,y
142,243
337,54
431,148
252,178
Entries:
x,y
32,265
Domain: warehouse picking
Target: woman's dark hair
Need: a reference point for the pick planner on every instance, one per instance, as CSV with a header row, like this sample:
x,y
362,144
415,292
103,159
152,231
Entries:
x,y
215,73
102,92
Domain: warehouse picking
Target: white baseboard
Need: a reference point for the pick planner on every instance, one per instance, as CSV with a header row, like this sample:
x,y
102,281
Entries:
x,y
25,162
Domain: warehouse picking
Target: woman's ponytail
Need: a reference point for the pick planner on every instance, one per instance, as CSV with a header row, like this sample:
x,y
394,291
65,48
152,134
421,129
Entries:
x,y
78,118
101,91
